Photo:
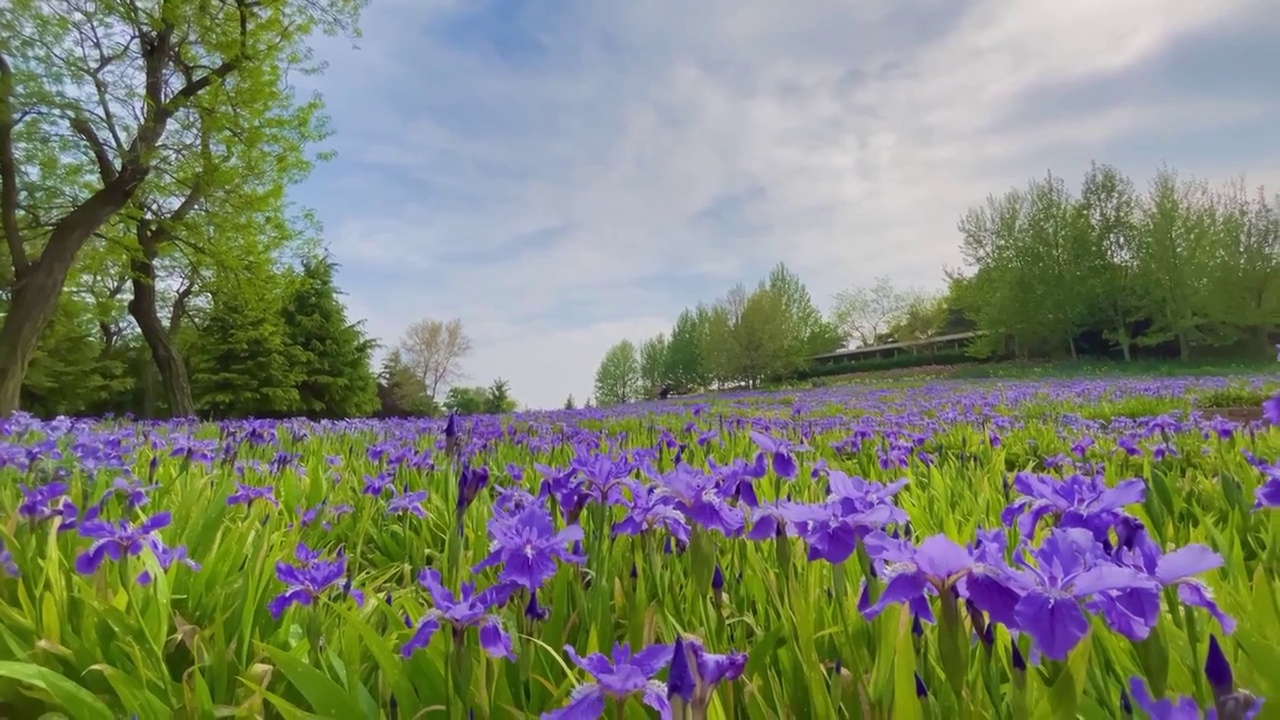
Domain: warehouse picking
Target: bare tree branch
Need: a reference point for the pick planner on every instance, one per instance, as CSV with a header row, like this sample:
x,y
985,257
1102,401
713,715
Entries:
x,y
106,168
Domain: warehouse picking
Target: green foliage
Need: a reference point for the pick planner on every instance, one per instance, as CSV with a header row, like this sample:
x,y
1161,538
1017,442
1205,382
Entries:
x,y
743,339
466,400
569,403
333,355
1182,266
149,122
653,365
73,370
618,377
498,398
401,393
762,340
244,365
806,332
685,367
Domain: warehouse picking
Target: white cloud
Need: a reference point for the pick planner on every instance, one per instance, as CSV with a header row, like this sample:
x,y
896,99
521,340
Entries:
x,y
858,132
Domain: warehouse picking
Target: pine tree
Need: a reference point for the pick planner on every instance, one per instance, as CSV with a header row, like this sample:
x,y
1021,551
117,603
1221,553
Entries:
x,y
401,393
334,355
243,365
499,398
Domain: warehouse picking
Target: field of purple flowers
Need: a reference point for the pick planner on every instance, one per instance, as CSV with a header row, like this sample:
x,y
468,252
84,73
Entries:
x,y
1060,549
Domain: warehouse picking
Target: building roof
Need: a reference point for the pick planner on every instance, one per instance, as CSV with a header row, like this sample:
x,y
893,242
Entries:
x,y
852,352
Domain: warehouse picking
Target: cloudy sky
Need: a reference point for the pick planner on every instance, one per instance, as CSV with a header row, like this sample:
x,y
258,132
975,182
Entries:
x,y
562,174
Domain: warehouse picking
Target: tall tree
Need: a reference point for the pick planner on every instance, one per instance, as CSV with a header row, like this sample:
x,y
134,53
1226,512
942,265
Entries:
x,y
719,349
1244,267
1109,204
924,316
863,314
244,365
618,377
807,332
467,400
498,400
653,361
223,200
1174,255
760,337
434,350
996,294
334,355
88,96
685,366
1054,249
400,390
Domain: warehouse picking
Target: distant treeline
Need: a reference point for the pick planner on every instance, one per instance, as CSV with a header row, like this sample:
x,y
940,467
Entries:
x,y
1179,270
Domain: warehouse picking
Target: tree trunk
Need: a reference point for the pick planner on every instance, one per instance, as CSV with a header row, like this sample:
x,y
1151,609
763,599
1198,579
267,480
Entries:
x,y
1184,347
150,391
1071,343
173,371
38,285
1125,344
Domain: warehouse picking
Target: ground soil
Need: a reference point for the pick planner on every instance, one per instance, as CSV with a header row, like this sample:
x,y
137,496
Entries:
x,y
1236,414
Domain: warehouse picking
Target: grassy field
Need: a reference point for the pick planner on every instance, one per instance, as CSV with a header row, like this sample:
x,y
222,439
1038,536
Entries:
x,y
1054,548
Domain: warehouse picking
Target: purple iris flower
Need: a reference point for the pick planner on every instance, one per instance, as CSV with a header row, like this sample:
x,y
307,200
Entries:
x,y
1183,708
832,529
700,497
769,520
118,540
783,462
603,475
166,557
47,501
1077,501
468,609
1070,568
7,565
1267,495
937,565
648,508
1133,612
247,494
311,577
527,547
570,495
681,682
1271,409
451,434
695,673
470,482
134,492
620,676
375,485
409,502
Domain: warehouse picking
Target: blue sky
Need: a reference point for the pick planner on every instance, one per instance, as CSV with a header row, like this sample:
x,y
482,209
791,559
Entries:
x,y
563,174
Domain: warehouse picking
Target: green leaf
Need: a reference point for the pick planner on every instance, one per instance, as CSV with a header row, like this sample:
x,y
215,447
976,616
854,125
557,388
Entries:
x,y
320,690
82,704
136,699
906,706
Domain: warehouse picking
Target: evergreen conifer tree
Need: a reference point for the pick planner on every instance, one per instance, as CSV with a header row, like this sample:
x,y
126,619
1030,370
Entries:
x,y
244,366
333,355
